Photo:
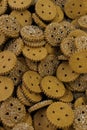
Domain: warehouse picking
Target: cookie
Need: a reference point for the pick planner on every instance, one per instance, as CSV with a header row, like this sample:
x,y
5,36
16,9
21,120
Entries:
x,y
46,10
3,6
2,38
77,63
65,73
60,3
22,97
34,44
50,49
59,16
78,85
82,21
52,87
54,33
38,21
15,45
32,33
60,114
74,9
77,32
7,61
40,105
35,54
9,26
12,112
41,122
79,102
48,65
33,97
80,120
23,126
19,5
31,80
67,97
6,88
23,17
67,46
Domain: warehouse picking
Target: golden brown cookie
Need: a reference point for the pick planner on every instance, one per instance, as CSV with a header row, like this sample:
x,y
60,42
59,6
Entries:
x,y
46,10
40,105
41,122
74,9
19,5
52,87
60,114
32,33
78,62
9,26
12,112
31,80
7,61
23,17
79,102
3,6
65,73
6,88
48,65
35,54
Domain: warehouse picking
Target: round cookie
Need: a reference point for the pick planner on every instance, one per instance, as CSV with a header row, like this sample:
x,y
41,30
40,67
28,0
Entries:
x,y
46,10
78,62
32,33
52,87
6,88
35,54
65,73
23,17
74,9
19,4
31,80
60,114
41,122
7,61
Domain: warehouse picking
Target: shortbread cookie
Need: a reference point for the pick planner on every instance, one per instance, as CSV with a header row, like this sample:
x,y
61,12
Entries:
x,y
9,26
19,5
78,62
31,80
40,105
6,88
41,122
12,112
35,54
52,87
46,10
65,73
60,114
3,6
23,17
32,33
7,61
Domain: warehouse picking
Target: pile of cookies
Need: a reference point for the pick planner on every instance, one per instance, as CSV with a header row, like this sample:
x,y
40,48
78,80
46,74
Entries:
x,y
43,64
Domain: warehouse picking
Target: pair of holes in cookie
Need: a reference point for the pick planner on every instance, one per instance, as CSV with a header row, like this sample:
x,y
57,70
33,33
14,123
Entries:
x,y
66,74
55,90
20,3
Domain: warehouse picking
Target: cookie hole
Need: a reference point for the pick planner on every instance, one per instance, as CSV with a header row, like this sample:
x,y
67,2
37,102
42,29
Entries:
x,y
80,5
0,82
61,32
7,113
47,126
73,4
56,91
7,27
4,66
48,87
15,117
42,4
80,66
79,85
39,124
48,71
78,12
36,77
78,119
15,29
19,108
20,71
22,14
41,115
45,65
83,112
31,84
66,115
33,54
2,57
52,36
73,72
65,75
49,81
15,79
14,1
26,21
39,50
53,111
77,58
11,104
6,87
22,3
54,28
49,6
9,59
58,119
59,39
28,49
49,12
42,12
61,108
71,11
62,68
